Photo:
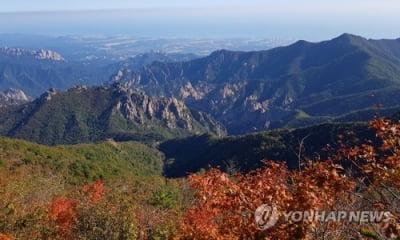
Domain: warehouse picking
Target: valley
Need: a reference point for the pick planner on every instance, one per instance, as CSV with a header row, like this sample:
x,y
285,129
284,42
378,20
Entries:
x,y
113,137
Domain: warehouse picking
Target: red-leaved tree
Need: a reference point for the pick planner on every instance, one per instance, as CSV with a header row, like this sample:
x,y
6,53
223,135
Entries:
x,y
62,214
224,205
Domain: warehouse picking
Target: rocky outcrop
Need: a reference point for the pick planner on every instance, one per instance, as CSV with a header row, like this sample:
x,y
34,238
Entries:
x,y
297,85
13,96
41,54
86,114
220,85
140,108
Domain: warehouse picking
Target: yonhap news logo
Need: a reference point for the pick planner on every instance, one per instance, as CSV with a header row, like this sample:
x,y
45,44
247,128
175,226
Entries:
x,y
267,216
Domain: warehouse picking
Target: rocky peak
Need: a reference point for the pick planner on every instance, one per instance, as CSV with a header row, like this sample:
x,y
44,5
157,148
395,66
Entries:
x,y
79,88
41,54
44,54
13,96
138,107
47,95
16,94
84,114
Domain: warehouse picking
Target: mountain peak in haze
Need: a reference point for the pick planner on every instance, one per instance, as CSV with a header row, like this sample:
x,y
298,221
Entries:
x,y
13,96
41,54
348,38
16,94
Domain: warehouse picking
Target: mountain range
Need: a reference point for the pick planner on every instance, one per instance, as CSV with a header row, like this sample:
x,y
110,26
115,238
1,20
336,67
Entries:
x,y
187,105
297,85
35,71
158,96
89,114
118,47
42,54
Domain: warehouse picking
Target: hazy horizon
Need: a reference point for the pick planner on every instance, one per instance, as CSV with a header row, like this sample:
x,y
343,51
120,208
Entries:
x,y
288,19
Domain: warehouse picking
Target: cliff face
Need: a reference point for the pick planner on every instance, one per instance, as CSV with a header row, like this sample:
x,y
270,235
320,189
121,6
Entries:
x,y
174,114
13,96
84,114
297,85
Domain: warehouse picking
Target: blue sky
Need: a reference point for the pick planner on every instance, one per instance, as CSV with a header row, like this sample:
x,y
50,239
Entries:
x,y
50,5
299,19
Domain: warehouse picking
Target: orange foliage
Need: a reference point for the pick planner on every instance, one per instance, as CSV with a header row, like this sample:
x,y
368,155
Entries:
x,y
224,205
5,237
95,191
379,167
62,212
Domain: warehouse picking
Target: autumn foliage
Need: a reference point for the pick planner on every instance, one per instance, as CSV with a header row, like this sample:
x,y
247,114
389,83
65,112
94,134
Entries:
x,y
216,205
6,237
62,213
225,205
94,191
